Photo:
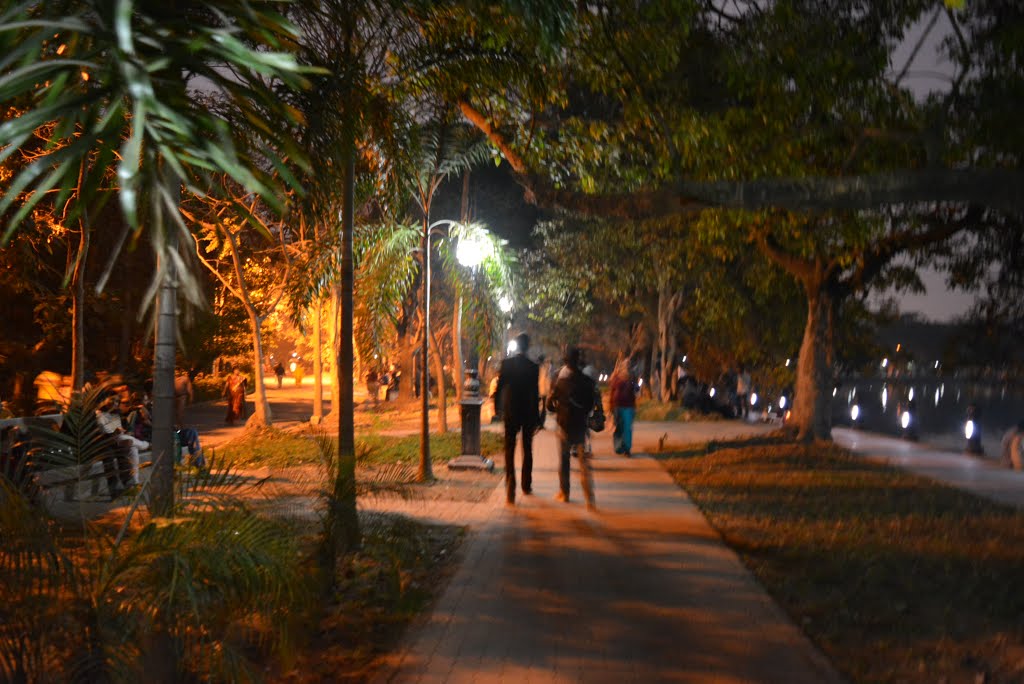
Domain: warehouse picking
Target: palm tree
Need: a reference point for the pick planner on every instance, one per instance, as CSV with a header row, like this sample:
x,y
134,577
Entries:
x,y
113,81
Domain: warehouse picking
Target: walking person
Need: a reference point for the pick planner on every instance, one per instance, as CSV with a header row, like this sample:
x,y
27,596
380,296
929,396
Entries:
x,y
516,394
573,398
234,392
622,397
742,392
279,372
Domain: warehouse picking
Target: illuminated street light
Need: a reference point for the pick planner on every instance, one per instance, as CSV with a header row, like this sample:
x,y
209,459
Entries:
x,y
505,304
472,250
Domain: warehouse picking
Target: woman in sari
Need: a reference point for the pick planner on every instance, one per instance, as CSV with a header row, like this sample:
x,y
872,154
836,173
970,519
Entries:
x,y
234,392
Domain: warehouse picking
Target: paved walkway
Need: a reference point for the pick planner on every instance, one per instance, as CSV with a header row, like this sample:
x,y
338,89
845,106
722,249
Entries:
x,y
982,476
642,590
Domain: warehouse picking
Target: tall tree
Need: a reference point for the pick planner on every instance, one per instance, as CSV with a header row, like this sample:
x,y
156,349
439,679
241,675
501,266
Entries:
x,y
795,105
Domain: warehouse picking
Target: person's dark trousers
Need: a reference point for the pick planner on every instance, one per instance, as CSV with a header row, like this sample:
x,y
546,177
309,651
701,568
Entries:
x,y
511,430
117,467
543,411
563,465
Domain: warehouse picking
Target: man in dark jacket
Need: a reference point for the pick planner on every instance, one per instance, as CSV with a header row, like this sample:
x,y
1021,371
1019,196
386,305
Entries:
x,y
516,394
572,400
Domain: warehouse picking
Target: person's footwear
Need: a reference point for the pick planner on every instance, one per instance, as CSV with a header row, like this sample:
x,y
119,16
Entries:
x,y
510,502
527,491
627,453
562,496
591,505
116,493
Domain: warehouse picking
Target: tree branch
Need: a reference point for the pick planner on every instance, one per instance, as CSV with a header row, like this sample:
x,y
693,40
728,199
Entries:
x,y
994,188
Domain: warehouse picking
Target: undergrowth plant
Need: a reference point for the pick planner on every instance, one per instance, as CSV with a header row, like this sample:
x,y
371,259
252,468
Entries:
x,y
131,597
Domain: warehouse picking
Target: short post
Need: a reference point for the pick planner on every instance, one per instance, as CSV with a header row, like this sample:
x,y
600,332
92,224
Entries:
x,y
471,458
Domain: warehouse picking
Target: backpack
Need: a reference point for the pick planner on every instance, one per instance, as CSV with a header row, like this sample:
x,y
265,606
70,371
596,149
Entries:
x,y
585,408
595,421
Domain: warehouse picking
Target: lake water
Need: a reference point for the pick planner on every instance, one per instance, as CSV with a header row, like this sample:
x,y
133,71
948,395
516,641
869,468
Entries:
x,y
939,408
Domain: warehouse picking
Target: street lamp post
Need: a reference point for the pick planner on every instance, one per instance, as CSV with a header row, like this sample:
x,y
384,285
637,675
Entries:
x,y
473,253
470,252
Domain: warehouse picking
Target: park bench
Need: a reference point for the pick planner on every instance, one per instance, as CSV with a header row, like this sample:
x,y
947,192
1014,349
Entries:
x,y
77,482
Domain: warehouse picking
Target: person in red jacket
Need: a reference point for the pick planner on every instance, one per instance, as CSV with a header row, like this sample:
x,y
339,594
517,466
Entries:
x,y
622,393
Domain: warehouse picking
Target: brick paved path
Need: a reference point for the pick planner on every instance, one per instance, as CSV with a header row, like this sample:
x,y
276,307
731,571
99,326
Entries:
x,y
643,590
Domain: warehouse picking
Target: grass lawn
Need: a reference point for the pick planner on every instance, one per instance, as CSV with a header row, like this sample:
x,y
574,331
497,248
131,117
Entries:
x,y
276,448
894,577
395,576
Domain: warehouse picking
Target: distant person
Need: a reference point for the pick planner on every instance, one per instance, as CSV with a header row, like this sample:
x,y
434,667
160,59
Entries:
x,y
1012,445
183,396
543,388
140,417
742,392
299,373
622,397
492,392
279,372
516,394
234,392
573,398
373,386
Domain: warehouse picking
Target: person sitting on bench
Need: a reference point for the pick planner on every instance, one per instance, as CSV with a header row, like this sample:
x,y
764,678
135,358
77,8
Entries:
x,y
123,460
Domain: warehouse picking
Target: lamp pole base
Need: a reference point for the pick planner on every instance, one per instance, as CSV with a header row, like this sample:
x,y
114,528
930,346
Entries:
x,y
470,462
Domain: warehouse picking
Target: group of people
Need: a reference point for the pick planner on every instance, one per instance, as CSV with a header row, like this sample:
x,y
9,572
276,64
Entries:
x,y
525,391
378,382
128,431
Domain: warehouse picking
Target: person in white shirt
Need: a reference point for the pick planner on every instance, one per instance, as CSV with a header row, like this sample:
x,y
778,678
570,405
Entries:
x,y
123,463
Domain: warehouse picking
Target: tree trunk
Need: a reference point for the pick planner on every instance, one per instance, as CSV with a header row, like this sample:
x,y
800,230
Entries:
x,y
318,363
669,304
654,387
124,347
345,487
261,416
164,443
78,310
457,361
425,472
407,368
812,415
335,346
442,388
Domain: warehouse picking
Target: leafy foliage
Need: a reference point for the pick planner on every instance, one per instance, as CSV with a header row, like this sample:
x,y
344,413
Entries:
x,y
84,604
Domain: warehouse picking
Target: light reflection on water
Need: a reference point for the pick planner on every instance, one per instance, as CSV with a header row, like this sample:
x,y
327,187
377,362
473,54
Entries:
x,y
939,411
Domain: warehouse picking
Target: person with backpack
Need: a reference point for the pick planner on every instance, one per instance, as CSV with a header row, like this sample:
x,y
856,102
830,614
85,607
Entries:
x,y
573,399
